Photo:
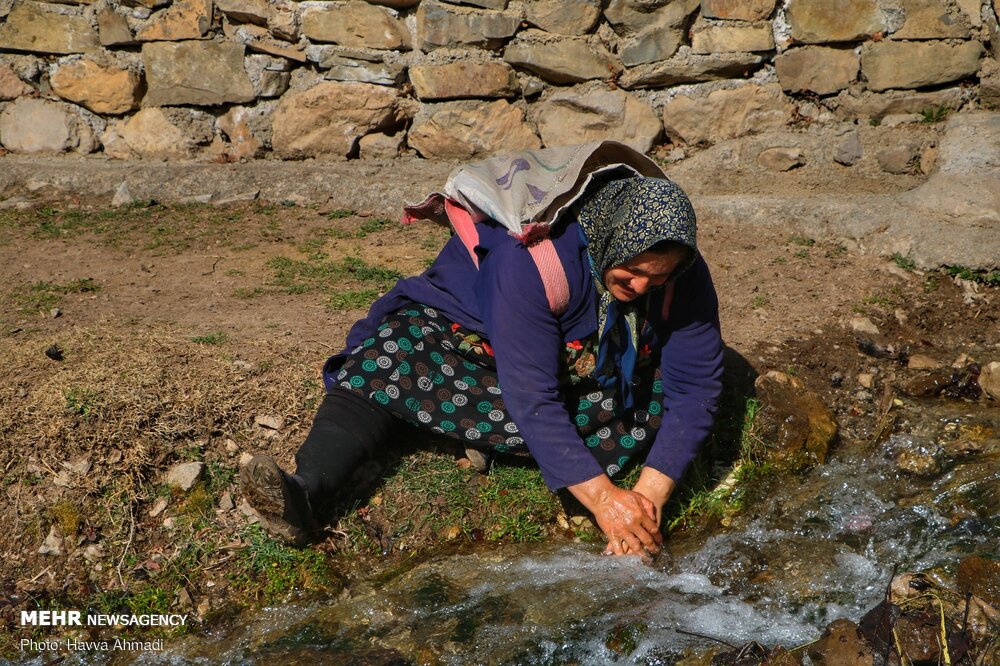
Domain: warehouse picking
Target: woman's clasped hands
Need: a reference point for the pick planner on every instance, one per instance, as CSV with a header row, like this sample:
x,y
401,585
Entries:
x,y
629,519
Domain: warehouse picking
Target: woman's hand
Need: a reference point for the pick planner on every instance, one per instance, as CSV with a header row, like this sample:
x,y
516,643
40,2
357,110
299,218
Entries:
x,y
626,517
657,487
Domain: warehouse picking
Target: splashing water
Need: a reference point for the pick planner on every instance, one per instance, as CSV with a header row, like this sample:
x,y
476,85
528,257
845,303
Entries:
x,y
808,551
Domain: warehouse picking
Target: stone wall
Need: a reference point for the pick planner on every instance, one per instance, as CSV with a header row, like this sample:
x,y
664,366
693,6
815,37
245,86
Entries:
x,y
235,79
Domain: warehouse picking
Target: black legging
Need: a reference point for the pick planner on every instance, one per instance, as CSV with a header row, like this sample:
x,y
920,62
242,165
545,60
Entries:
x,y
347,429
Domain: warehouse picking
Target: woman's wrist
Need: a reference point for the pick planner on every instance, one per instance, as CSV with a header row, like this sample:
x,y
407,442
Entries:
x,y
592,491
655,486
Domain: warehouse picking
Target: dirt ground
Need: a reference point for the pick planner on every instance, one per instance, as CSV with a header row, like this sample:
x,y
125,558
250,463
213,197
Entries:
x,y
175,305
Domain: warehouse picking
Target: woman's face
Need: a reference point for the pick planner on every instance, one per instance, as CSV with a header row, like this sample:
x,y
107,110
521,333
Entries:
x,y
638,275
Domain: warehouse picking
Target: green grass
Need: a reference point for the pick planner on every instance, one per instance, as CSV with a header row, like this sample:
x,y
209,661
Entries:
x,y
317,273
150,225
758,302
905,263
987,278
338,214
269,571
878,300
43,296
82,401
518,502
210,339
801,240
715,498
935,114
426,496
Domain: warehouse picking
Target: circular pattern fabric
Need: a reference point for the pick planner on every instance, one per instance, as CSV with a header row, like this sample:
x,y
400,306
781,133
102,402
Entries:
x,y
432,376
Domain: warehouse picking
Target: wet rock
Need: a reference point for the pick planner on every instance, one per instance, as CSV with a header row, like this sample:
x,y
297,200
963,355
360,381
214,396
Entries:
x,y
780,158
812,22
53,544
889,64
840,645
820,69
989,379
849,150
355,23
99,88
930,384
981,577
37,27
11,86
687,67
184,19
330,117
930,19
159,506
466,129
462,80
726,114
710,37
560,59
594,112
919,461
184,475
195,72
564,17
738,10
624,638
918,637
113,28
795,420
446,25
31,125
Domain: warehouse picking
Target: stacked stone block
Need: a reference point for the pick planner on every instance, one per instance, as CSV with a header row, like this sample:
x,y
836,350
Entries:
x,y
456,79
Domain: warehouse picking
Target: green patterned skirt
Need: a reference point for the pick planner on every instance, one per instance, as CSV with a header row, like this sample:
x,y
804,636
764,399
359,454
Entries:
x,y
435,375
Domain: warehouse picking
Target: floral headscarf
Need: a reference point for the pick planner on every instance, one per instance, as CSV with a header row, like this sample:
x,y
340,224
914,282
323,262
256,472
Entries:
x,y
619,220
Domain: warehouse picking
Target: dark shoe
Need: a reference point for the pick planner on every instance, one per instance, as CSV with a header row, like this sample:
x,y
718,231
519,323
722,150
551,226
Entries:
x,y
279,500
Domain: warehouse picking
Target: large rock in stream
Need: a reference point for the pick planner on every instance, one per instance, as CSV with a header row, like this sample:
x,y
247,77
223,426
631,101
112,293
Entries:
x,y
795,424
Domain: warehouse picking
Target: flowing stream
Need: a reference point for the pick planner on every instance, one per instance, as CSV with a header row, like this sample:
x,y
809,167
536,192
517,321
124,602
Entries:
x,y
808,550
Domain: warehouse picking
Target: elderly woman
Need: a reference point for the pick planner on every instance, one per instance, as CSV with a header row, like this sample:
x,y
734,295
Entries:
x,y
630,366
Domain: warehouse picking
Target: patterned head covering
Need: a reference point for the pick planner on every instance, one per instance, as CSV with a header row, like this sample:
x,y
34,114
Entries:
x,y
619,220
